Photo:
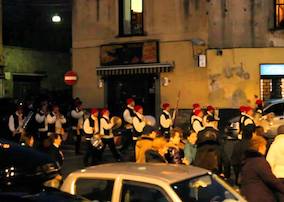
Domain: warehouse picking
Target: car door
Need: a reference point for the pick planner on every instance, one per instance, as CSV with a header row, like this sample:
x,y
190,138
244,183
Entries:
x,y
95,189
142,192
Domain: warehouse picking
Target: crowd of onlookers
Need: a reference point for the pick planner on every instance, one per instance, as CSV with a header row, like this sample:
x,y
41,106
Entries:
x,y
258,169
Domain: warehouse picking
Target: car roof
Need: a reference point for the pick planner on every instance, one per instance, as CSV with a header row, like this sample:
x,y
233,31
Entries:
x,y
169,173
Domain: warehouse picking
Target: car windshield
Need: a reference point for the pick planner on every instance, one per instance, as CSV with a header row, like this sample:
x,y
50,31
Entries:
x,y
203,189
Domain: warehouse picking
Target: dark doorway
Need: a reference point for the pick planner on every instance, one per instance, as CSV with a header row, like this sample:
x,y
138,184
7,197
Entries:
x,y
140,87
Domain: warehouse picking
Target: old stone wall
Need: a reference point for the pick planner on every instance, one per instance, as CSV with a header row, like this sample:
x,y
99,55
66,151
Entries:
x,y
51,64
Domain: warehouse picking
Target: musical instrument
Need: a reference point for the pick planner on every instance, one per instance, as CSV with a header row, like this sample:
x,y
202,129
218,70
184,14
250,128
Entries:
x,y
97,142
176,109
26,120
150,120
116,121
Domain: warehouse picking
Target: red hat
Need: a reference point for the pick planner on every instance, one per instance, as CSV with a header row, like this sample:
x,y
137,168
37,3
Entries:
x,y
258,102
248,108
104,111
242,108
166,105
94,111
129,101
137,107
196,105
197,111
210,108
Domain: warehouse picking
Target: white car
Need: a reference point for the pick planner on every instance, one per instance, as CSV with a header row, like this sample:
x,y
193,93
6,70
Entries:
x,y
150,182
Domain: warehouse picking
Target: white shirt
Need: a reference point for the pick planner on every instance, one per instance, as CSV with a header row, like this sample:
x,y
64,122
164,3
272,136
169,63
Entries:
x,y
196,125
126,115
40,118
76,114
104,125
57,121
166,123
91,130
275,156
139,126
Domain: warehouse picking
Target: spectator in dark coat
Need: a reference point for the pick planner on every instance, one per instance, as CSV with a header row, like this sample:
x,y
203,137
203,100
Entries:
x,y
258,183
54,150
208,153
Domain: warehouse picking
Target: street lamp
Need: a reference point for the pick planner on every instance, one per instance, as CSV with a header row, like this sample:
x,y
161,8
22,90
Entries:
x,y
56,18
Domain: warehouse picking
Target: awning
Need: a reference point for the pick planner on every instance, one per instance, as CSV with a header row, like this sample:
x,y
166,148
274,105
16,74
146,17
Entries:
x,y
134,69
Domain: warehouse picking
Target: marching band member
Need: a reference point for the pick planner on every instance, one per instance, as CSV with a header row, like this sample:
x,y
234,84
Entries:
x,y
41,119
55,121
128,115
107,135
247,123
138,122
197,121
91,128
166,121
77,116
210,116
16,121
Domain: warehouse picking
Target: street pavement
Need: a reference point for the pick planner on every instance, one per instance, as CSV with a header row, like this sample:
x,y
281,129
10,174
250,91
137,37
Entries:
x,y
74,162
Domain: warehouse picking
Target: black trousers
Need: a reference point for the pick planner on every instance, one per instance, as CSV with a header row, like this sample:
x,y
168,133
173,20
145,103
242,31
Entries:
x,y
78,140
166,132
126,139
111,145
92,153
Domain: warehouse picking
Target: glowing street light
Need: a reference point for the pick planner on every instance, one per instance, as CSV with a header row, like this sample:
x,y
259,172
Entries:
x,y
56,18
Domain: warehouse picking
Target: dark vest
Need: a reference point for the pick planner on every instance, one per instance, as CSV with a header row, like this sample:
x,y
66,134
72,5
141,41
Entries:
x,y
167,117
195,119
51,127
247,130
73,121
41,125
106,132
131,112
16,121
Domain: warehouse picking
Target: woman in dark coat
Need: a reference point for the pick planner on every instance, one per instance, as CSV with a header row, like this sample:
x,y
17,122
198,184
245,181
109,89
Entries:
x,y
258,183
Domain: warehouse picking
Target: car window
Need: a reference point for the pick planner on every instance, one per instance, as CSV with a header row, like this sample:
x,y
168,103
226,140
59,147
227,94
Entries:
x,y
142,192
99,190
202,189
277,109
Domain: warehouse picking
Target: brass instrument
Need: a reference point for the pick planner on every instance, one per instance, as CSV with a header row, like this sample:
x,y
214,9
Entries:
x,y
150,120
97,142
116,121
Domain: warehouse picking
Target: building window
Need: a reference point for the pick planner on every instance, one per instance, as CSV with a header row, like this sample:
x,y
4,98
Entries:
x,y
279,13
131,17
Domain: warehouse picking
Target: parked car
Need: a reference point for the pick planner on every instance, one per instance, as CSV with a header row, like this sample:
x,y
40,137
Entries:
x,y
273,117
150,182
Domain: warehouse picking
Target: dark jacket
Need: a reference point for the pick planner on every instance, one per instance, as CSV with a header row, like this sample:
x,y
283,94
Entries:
x,y
55,154
208,153
258,183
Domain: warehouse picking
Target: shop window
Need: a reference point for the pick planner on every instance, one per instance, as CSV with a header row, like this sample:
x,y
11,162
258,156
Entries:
x,y
279,13
131,17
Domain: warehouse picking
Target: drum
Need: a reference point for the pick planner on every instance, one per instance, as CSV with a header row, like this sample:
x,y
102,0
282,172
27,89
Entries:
x,y
116,121
150,120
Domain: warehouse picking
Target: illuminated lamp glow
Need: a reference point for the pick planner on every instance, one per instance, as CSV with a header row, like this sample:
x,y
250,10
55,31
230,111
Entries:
x,y
56,18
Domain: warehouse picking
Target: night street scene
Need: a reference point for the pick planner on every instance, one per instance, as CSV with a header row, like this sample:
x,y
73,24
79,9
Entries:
x,y
142,100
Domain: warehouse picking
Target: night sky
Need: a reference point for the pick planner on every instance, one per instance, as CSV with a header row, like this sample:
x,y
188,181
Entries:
x,y
27,23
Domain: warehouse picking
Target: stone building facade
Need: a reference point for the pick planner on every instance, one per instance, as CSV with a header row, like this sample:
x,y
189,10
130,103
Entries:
x,y
210,51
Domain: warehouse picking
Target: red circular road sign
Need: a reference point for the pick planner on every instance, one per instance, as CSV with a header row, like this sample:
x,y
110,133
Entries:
x,y
70,77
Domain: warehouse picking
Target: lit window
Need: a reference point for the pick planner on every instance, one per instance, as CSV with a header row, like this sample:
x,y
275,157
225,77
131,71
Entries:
x,y
131,17
279,13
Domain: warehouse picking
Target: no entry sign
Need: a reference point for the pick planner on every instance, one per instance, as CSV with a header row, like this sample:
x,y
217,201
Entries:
x,y
70,78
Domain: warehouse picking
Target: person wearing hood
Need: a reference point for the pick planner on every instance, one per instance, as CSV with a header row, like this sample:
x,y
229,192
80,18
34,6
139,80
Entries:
x,y
258,183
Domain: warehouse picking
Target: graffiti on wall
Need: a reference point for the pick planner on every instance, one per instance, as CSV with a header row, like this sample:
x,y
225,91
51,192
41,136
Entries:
x,y
218,92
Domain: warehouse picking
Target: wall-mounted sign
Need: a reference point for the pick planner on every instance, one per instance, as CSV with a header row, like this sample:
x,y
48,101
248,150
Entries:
x,y
272,69
70,78
130,53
